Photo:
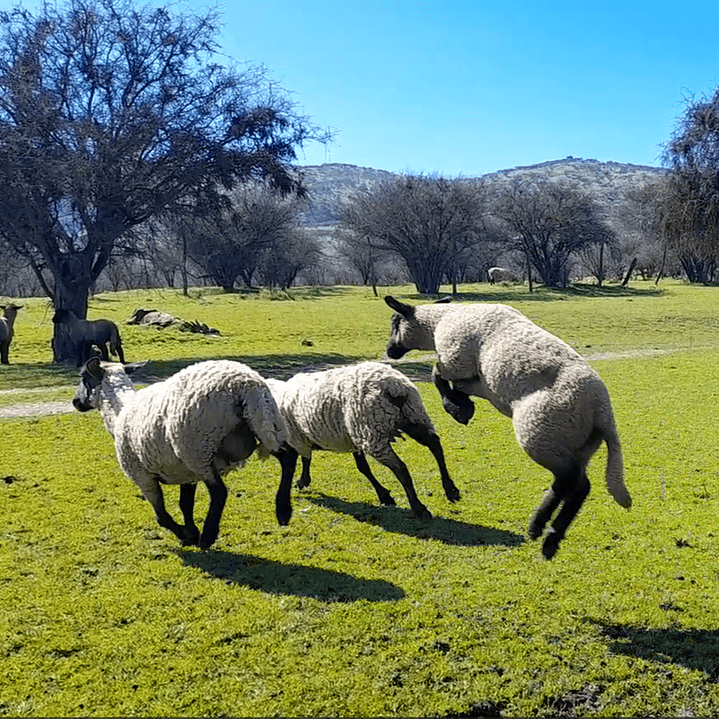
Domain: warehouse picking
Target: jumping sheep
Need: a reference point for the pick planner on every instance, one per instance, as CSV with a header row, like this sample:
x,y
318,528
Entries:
x,y
559,406
361,409
194,426
7,322
86,333
500,274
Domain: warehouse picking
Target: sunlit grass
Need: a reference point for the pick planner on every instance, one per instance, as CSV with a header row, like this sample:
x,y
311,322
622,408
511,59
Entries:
x,y
361,610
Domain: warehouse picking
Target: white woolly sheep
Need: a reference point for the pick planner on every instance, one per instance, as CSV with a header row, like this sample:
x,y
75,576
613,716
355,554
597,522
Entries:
x,y
500,274
194,426
559,406
85,334
7,322
362,409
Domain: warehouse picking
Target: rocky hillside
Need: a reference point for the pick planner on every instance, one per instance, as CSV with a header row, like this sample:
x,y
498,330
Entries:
x,y
609,182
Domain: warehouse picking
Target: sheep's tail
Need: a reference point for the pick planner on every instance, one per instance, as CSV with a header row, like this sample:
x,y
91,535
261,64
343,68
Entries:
x,y
264,419
615,462
405,395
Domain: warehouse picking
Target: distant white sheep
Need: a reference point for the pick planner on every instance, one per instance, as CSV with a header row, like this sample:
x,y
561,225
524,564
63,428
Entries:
x,y
362,409
7,322
194,426
500,274
560,407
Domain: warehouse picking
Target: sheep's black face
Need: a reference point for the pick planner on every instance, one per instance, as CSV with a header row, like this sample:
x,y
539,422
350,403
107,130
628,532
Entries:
x,y
395,349
82,401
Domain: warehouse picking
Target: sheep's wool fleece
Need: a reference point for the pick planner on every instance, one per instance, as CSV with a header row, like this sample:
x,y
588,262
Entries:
x,y
554,397
360,407
172,429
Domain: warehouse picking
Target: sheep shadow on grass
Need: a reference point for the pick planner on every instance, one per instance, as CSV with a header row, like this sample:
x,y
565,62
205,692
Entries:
x,y
690,648
400,520
273,577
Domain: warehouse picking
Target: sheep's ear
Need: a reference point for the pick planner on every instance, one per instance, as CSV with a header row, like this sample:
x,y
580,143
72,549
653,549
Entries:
x,y
397,306
443,300
94,368
132,367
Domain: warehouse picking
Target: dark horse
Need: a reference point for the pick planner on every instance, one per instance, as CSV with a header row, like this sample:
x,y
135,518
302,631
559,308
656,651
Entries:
x,y
86,333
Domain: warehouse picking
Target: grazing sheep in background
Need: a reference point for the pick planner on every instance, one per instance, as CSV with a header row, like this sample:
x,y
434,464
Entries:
x,y
500,274
360,408
7,322
194,426
559,406
86,333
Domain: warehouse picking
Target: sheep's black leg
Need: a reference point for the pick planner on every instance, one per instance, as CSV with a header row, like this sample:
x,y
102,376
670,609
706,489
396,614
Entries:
x,y
120,354
544,512
218,497
187,506
562,486
305,478
102,346
431,440
572,504
456,404
390,460
385,498
283,501
155,498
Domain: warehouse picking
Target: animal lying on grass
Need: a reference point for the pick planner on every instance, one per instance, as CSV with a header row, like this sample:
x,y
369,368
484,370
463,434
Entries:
x,y
559,406
7,322
84,334
194,426
361,409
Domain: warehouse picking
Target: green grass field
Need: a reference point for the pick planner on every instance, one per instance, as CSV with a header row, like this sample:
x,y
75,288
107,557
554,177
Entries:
x,y
356,609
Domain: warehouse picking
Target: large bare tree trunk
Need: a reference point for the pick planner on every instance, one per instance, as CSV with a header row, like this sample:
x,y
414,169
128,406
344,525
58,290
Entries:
x,y
72,291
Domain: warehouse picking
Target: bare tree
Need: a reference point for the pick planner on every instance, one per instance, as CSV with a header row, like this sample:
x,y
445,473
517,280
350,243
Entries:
x,y
692,201
281,264
110,115
232,244
363,256
428,221
549,224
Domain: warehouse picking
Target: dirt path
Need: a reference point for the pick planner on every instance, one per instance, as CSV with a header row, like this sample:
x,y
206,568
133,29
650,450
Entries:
x,y
40,408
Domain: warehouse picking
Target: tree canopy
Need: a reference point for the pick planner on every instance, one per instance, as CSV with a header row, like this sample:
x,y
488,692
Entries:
x,y
112,114
691,208
428,221
549,224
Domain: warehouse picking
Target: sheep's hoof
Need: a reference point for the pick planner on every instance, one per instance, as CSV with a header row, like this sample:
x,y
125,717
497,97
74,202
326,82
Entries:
x,y
302,484
191,538
422,513
283,514
535,529
551,544
387,500
207,542
460,413
453,494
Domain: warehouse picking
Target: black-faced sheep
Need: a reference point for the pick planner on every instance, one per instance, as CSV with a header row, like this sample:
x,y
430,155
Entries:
x,y
192,427
361,409
559,406
84,334
7,322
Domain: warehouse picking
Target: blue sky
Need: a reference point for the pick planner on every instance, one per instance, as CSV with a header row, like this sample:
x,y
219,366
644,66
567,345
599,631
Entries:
x,y
472,86
466,87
